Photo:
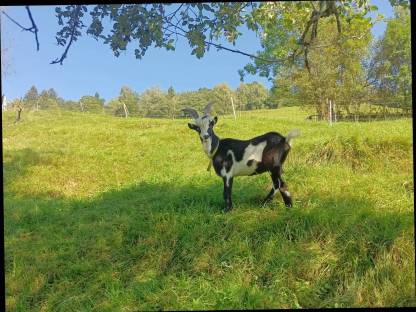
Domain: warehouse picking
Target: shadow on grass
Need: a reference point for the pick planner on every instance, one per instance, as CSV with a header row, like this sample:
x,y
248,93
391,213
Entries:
x,y
16,163
141,238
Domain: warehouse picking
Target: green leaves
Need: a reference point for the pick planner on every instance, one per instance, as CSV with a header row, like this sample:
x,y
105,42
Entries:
x,y
391,64
287,29
169,45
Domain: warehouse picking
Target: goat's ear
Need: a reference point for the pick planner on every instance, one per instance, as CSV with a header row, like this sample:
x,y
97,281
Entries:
x,y
215,120
192,126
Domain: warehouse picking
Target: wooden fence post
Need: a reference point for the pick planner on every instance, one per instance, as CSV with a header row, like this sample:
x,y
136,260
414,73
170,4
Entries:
x,y
232,104
330,112
126,112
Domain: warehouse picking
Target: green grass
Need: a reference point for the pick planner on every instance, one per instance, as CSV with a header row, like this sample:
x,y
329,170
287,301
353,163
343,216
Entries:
x,y
112,214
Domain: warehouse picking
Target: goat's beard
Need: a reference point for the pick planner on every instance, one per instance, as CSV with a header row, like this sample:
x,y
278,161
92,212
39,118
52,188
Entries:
x,y
206,145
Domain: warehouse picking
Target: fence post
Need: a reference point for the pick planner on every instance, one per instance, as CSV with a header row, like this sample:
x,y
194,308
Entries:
x,y
232,104
330,112
126,112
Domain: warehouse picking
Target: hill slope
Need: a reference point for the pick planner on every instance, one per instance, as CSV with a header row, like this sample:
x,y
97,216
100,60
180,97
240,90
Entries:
x,y
105,213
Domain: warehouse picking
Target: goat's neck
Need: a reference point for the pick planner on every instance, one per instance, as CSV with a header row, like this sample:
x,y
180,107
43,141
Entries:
x,y
211,145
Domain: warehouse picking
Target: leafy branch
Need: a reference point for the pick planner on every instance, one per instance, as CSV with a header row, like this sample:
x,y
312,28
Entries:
x,y
68,31
186,34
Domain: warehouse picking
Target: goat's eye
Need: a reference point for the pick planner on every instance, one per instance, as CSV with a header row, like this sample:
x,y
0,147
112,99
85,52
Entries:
x,y
198,129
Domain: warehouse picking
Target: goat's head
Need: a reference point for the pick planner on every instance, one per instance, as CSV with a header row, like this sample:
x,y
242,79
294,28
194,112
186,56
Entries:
x,y
203,125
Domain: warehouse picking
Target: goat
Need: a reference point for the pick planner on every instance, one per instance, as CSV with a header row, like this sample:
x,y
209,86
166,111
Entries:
x,y
232,157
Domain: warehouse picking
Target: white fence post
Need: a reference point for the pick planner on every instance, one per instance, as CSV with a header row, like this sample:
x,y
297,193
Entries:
x,y
330,112
126,112
232,104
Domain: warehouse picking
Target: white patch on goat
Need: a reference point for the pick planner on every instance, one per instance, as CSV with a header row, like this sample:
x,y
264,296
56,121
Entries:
x,y
203,124
252,152
206,145
226,175
276,189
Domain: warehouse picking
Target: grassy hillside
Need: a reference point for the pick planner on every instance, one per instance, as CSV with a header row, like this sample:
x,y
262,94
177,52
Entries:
x,y
112,214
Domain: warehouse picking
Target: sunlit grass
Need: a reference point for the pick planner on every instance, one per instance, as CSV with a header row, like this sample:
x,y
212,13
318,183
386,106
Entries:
x,y
105,213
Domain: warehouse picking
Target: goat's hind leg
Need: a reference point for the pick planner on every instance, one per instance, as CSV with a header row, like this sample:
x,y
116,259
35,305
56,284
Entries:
x,y
285,192
275,187
278,184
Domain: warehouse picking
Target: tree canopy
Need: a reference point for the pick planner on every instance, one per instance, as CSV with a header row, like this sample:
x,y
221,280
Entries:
x,y
286,28
391,66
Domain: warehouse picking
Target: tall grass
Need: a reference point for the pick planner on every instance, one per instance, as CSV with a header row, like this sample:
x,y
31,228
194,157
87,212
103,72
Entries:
x,y
105,214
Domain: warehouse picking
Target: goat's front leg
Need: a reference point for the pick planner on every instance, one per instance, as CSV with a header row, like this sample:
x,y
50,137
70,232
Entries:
x,y
228,185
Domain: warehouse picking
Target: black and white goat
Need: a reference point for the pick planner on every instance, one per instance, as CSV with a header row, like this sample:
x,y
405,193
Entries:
x,y
231,157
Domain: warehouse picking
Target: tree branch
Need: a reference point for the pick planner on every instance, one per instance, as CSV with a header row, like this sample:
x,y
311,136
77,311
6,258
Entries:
x,y
23,28
174,13
74,26
33,29
326,8
218,46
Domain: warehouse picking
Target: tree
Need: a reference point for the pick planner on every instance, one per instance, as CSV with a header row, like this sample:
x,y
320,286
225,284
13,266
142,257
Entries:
x,y
251,96
283,92
130,99
48,99
390,69
154,103
115,107
201,24
221,97
70,105
196,99
91,104
336,72
97,96
31,98
19,109
52,94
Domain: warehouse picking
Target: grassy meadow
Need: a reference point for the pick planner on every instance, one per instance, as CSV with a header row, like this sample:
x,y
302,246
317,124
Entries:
x,y
112,214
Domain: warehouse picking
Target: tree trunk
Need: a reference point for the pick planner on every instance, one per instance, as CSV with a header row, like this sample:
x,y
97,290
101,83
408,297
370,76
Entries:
x,y
18,113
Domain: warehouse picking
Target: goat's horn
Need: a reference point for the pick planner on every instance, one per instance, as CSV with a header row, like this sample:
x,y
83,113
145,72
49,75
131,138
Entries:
x,y
192,112
207,108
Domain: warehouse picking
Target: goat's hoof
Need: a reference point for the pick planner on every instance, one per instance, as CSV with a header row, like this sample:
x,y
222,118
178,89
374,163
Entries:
x,y
228,209
288,205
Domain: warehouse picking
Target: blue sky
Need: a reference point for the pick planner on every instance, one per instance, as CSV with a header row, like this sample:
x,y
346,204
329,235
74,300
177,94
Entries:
x,y
91,66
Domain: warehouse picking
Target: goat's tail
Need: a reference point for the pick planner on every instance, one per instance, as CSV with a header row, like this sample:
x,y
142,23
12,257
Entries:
x,y
291,135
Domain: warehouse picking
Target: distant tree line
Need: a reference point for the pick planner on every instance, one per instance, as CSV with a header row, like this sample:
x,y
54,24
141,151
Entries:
x,y
154,102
